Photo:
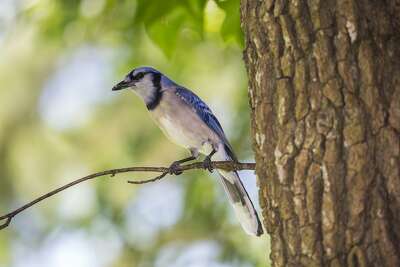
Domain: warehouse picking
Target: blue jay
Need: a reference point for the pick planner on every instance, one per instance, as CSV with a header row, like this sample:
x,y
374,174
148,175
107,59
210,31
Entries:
x,y
189,122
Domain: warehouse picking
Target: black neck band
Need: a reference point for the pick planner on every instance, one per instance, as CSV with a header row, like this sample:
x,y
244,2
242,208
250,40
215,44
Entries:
x,y
157,94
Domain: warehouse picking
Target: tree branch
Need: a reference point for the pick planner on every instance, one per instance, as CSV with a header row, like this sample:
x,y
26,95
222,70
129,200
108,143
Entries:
x,y
224,165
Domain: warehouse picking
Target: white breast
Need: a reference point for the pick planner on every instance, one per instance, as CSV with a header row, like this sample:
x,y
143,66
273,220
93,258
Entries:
x,y
179,134
183,126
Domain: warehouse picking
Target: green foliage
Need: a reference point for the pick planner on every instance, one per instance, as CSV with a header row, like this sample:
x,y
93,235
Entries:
x,y
166,21
230,29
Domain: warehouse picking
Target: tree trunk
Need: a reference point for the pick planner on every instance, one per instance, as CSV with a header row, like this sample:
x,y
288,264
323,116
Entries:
x,y
324,85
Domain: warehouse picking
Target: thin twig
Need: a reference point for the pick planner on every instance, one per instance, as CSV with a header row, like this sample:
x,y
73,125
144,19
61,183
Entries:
x,y
225,165
150,180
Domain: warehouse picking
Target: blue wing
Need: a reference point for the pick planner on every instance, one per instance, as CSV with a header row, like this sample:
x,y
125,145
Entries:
x,y
202,110
205,113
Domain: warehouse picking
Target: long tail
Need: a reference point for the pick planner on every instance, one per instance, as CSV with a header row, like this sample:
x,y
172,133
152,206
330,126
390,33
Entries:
x,y
241,203
240,200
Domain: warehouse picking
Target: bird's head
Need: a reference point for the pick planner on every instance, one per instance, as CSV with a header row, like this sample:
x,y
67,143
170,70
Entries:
x,y
145,81
139,78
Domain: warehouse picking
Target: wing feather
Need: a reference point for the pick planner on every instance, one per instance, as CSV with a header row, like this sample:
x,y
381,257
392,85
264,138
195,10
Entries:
x,y
205,114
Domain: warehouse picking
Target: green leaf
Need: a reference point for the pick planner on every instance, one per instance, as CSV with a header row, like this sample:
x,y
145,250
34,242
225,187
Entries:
x,y
230,29
164,21
151,11
165,33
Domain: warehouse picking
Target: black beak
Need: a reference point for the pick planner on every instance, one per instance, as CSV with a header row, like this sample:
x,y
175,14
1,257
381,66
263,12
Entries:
x,y
121,85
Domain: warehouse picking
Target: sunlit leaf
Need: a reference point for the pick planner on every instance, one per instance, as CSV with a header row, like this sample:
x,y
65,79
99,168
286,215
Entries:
x,y
231,26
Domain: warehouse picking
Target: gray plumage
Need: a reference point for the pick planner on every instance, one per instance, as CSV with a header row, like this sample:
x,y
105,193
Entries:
x,y
190,123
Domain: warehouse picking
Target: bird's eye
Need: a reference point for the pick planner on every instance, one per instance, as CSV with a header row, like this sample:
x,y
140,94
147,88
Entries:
x,y
139,76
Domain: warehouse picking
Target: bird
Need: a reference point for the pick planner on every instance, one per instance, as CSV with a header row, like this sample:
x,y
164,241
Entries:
x,y
188,122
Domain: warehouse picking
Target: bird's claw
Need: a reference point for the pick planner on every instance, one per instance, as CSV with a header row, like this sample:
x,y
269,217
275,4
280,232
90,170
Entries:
x,y
207,164
175,168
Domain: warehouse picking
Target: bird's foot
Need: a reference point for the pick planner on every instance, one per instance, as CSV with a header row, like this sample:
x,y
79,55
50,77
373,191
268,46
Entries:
x,y
175,168
207,164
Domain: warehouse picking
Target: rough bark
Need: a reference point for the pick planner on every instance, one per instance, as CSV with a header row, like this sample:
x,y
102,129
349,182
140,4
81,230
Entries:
x,y
324,86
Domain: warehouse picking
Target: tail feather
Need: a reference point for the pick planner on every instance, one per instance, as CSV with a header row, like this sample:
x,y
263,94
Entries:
x,y
237,194
240,200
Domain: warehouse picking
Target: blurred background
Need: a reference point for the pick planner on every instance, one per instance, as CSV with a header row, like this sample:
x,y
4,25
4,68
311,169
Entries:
x,y
59,120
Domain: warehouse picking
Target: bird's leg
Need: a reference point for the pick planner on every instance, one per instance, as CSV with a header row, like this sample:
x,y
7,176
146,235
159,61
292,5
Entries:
x,y
207,161
175,167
